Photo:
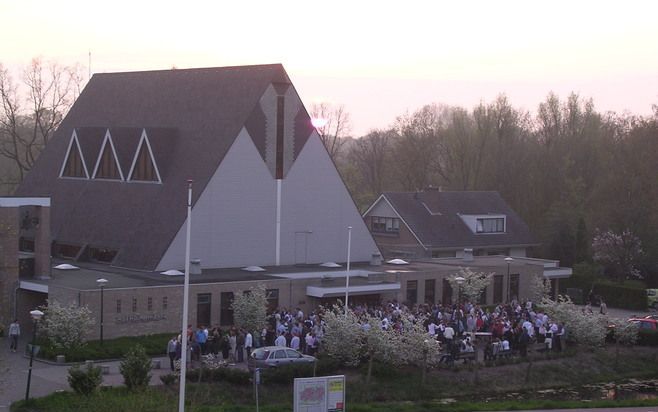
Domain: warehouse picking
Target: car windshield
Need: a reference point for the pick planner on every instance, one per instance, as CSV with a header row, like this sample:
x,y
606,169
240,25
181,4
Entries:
x,y
260,354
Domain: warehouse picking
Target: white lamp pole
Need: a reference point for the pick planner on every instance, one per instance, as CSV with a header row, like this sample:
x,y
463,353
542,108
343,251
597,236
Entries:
x,y
186,289
347,278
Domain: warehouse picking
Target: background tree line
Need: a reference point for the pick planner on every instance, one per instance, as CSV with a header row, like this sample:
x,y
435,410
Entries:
x,y
569,170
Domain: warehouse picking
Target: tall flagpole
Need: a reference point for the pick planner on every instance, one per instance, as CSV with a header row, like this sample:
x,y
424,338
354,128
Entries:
x,y
186,289
347,278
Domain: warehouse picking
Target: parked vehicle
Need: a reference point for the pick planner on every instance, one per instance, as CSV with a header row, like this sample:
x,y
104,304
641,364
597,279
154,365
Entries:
x,y
276,356
645,323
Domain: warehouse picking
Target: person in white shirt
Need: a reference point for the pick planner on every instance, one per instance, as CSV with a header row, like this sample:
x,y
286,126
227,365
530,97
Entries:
x,y
504,344
280,341
431,328
294,342
14,333
449,333
248,343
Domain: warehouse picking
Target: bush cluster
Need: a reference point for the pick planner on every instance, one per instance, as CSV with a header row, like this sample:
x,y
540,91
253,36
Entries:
x,y
85,381
136,368
230,375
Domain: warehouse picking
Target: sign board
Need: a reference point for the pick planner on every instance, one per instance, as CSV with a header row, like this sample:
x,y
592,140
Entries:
x,y
320,394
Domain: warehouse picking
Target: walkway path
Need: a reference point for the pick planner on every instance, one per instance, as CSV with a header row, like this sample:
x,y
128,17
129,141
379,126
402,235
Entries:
x,y
48,378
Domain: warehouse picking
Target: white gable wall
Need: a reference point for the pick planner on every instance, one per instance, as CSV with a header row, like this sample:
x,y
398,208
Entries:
x,y
233,221
314,199
382,209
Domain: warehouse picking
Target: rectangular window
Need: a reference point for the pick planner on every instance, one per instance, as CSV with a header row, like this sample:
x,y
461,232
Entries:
x,y
203,308
514,286
225,311
149,304
65,251
134,304
385,224
164,303
272,299
118,305
498,288
430,291
491,225
102,255
26,244
412,292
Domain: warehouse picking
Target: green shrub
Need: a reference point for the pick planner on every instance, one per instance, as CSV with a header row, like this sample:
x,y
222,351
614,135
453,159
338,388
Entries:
x,y
230,375
286,375
169,379
135,368
85,381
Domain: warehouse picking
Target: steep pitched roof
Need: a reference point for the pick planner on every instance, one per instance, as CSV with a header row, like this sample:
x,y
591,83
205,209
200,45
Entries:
x,y
191,117
434,217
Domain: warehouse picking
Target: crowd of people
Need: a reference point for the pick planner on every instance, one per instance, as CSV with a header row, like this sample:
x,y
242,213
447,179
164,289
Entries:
x,y
505,329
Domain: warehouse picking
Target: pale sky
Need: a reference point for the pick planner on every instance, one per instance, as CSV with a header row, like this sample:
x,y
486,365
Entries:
x,y
378,58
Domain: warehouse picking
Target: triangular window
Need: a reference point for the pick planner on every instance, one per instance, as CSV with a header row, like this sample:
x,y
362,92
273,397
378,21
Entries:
x,y
74,164
144,168
107,166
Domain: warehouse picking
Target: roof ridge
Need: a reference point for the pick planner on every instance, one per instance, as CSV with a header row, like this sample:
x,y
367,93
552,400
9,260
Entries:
x,y
188,69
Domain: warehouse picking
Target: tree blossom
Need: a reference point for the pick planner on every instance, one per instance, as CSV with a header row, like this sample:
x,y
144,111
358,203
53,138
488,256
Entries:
x,y
619,253
66,326
250,309
471,284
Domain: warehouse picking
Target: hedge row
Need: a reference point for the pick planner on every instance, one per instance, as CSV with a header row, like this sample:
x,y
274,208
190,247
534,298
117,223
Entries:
x,y
629,295
621,295
282,375
155,345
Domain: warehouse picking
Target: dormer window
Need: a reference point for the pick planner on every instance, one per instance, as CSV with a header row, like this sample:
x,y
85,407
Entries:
x,y
74,164
143,167
490,225
107,166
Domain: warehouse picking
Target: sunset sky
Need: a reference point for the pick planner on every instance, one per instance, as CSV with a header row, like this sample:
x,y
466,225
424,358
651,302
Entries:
x,y
377,58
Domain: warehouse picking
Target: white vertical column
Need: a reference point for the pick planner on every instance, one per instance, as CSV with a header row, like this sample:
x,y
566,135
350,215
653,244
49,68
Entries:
x,y
278,223
186,290
347,277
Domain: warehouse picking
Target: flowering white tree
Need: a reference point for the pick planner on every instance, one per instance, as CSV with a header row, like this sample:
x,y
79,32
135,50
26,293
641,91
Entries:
x,y
250,309
379,344
343,336
583,328
540,288
416,347
470,283
66,325
619,253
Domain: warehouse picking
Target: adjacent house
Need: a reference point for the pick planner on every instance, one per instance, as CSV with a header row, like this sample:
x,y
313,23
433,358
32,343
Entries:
x,y
435,223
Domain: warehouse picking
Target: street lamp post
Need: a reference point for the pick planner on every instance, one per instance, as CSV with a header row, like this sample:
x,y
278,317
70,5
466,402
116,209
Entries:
x,y
36,315
509,261
347,277
101,282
